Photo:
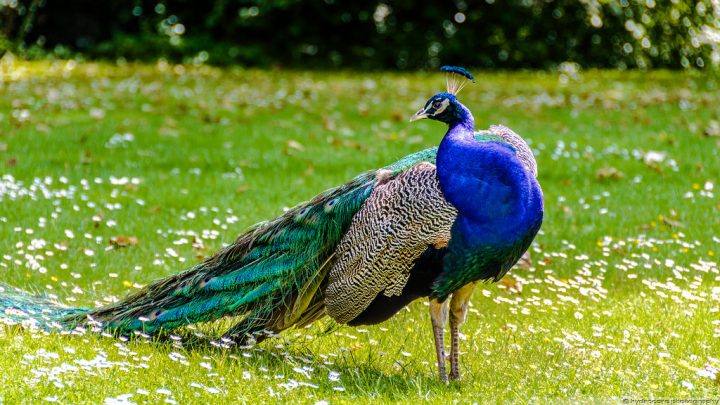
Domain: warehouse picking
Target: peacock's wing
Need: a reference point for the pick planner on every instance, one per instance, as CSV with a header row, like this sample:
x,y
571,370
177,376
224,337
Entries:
x,y
395,225
270,275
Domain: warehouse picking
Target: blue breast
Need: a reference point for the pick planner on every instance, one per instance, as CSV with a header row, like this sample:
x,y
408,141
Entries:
x,y
500,209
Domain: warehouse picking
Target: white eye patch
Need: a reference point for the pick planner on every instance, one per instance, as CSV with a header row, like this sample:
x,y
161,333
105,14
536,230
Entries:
x,y
443,105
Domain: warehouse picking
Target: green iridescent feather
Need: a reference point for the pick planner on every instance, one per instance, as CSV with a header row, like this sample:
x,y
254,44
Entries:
x,y
270,277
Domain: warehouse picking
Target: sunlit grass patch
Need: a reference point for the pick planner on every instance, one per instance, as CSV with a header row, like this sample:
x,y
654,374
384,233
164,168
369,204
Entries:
x,y
115,176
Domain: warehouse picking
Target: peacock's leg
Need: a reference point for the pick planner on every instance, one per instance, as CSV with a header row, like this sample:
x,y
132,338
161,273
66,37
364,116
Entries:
x,y
438,317
458,309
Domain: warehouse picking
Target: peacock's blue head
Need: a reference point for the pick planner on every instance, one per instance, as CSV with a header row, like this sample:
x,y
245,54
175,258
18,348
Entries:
x,y
443,107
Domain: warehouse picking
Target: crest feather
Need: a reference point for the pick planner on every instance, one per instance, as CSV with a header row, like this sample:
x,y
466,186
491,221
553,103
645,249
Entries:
x,y
456,78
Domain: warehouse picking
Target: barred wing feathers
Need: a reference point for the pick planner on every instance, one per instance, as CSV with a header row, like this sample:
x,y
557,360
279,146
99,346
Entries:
x,y
397,223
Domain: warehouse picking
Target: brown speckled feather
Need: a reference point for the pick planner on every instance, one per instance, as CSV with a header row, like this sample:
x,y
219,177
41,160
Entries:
x,y
392,229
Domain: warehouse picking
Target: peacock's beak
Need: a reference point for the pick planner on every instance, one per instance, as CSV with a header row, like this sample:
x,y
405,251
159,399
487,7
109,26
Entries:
x,y
422,113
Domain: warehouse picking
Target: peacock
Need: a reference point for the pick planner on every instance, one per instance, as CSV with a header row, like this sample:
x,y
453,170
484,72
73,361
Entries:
x,y
433,224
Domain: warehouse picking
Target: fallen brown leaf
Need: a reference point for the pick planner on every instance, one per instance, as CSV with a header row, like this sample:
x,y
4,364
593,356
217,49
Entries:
x,y
42,128
525,261
329,124
198,244
672,223
86,157
292,146
511,285
609,173
713,129
345,143
121,241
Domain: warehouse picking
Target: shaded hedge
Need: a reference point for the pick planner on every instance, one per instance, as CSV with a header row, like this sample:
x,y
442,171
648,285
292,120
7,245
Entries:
x,y
404,34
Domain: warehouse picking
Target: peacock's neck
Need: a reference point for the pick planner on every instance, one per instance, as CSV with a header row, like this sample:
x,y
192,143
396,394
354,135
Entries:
x,y
463,125
459,134
457,139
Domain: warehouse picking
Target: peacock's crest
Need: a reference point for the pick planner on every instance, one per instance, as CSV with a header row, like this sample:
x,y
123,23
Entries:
x,y
456,78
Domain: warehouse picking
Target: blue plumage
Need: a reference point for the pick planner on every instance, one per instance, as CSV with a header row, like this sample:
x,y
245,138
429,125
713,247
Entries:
x,y
458,70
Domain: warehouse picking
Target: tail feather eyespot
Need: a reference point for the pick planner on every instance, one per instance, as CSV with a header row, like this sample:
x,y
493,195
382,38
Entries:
x,y
330,204
302,213
181,286
155,314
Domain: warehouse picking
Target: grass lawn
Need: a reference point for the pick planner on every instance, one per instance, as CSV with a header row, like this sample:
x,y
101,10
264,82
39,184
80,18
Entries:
x,y
622,299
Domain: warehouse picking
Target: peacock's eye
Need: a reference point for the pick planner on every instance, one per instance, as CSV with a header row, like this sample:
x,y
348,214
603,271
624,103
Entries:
x,y
437,104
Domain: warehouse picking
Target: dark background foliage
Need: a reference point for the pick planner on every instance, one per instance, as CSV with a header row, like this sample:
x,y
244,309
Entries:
x,y
404,34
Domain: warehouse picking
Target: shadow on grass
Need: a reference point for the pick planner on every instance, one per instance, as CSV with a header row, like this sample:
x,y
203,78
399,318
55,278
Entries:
x,y
359,375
